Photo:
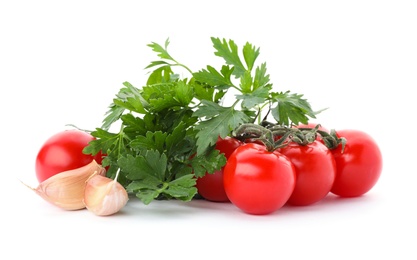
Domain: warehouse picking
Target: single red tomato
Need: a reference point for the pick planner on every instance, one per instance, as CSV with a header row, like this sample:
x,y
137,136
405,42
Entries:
x,y
315,168
227,145
257,181
359,166
210,186
63,151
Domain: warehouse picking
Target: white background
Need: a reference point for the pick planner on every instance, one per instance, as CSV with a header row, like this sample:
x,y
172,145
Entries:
x,y
62,62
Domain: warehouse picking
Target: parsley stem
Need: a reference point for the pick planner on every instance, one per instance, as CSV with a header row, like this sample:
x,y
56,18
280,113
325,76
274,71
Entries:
x,y
259,113
182,65
235,103
164,187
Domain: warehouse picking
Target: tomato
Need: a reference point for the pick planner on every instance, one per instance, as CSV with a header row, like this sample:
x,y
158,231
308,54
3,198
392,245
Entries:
x,y
210,186
257,181
315,168
227,145
359,166
62,152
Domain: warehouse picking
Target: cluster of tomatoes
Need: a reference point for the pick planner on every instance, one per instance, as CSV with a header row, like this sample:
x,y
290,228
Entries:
x,y
260,181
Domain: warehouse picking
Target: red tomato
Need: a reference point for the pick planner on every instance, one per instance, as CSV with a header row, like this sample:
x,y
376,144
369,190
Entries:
x,y
227,145
211,186
359,166
315,168
257,181
62,152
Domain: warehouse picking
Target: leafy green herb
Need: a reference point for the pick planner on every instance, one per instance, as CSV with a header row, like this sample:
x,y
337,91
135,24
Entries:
x,y
168,128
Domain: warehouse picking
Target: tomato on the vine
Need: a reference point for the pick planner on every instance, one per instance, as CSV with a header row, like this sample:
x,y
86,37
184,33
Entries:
x,y
315,168
258,181
359,166
63,151
210,186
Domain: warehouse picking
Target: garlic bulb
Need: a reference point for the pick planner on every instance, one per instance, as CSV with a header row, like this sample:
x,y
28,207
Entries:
x,y
104,196
66,189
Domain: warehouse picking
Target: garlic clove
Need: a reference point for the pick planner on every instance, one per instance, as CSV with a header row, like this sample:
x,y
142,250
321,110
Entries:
x,y
104,196
66,189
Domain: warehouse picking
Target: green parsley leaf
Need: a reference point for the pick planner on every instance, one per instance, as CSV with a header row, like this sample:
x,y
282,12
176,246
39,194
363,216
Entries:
x,y
112,115
162,51
103,142
163,54
291,108
157,63
221,121
151,141
213,78
144,189
250,53
128,98
148,174
183,93
182,188
252,99
228,50
208,162
147,171
204,92
246,82
108,143
261,78
169,95
162,74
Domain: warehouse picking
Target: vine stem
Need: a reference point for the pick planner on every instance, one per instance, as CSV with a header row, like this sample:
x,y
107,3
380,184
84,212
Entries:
x,y
275,136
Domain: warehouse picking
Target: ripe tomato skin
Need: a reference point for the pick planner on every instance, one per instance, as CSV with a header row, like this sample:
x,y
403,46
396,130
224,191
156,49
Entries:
x,y
227,145
315,168
62,152
257,181
210,186
359,166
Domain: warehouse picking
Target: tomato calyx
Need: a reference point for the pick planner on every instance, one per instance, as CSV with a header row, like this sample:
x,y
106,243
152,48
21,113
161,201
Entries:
x,y
332,140
275,136
271,138
307,135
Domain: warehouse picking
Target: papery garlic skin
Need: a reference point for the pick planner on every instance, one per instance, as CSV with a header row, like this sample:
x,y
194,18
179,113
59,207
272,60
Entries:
x,y
104,196
66,189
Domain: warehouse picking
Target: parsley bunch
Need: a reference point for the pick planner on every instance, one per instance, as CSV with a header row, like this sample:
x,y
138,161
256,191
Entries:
x,y
168,127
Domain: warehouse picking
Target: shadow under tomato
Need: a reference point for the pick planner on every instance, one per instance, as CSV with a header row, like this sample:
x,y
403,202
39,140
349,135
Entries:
x,y
331,201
